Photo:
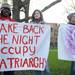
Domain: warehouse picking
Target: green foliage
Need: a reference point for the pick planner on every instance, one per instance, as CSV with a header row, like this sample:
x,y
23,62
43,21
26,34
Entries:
x,y
58,67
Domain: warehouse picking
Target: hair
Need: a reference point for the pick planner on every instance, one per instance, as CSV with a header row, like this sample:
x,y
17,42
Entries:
x,y
3,13
70,16
41,16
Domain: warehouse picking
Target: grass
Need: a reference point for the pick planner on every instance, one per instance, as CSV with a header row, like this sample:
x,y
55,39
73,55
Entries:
x,y
58,67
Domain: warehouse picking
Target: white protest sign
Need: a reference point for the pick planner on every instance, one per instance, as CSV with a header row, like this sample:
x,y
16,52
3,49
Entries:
x,y
23,46
66,42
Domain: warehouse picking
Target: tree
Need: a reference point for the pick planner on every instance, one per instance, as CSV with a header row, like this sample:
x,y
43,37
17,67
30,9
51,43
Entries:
x,y
70,8
18,4
50,5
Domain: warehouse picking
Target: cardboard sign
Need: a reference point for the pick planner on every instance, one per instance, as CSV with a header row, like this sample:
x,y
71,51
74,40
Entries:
x,y
23,46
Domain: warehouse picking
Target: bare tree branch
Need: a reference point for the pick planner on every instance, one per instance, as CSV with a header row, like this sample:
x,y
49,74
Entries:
x,y
50,5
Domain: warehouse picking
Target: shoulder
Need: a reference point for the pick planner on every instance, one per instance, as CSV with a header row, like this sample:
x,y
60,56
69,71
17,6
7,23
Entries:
x,y
8,19
12,20
33,22
42,22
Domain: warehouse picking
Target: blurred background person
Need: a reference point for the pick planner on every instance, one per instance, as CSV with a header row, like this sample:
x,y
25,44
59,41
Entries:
x,y
5,15
37,18
71,18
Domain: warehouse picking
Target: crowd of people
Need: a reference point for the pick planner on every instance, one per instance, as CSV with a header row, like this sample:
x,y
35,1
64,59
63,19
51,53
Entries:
x,y
37,18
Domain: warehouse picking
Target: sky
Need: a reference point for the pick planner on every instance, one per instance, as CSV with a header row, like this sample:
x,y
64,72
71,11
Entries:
x,y
56,14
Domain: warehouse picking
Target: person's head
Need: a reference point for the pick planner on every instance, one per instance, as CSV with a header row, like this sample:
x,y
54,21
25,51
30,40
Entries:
x,y
71,18
5,10
37,15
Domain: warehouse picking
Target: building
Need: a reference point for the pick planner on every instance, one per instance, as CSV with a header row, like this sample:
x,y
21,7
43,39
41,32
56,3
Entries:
x,y
54,33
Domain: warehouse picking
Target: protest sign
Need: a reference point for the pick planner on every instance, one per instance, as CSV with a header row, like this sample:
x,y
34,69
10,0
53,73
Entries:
x,y
66,42
23,46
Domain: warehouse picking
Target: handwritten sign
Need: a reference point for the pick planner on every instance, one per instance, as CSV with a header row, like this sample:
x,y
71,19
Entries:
x,y
23,46
66,42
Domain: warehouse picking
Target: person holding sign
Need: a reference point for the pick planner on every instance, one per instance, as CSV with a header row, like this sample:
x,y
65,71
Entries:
x,y
71,18
6,12
5,15
37,18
